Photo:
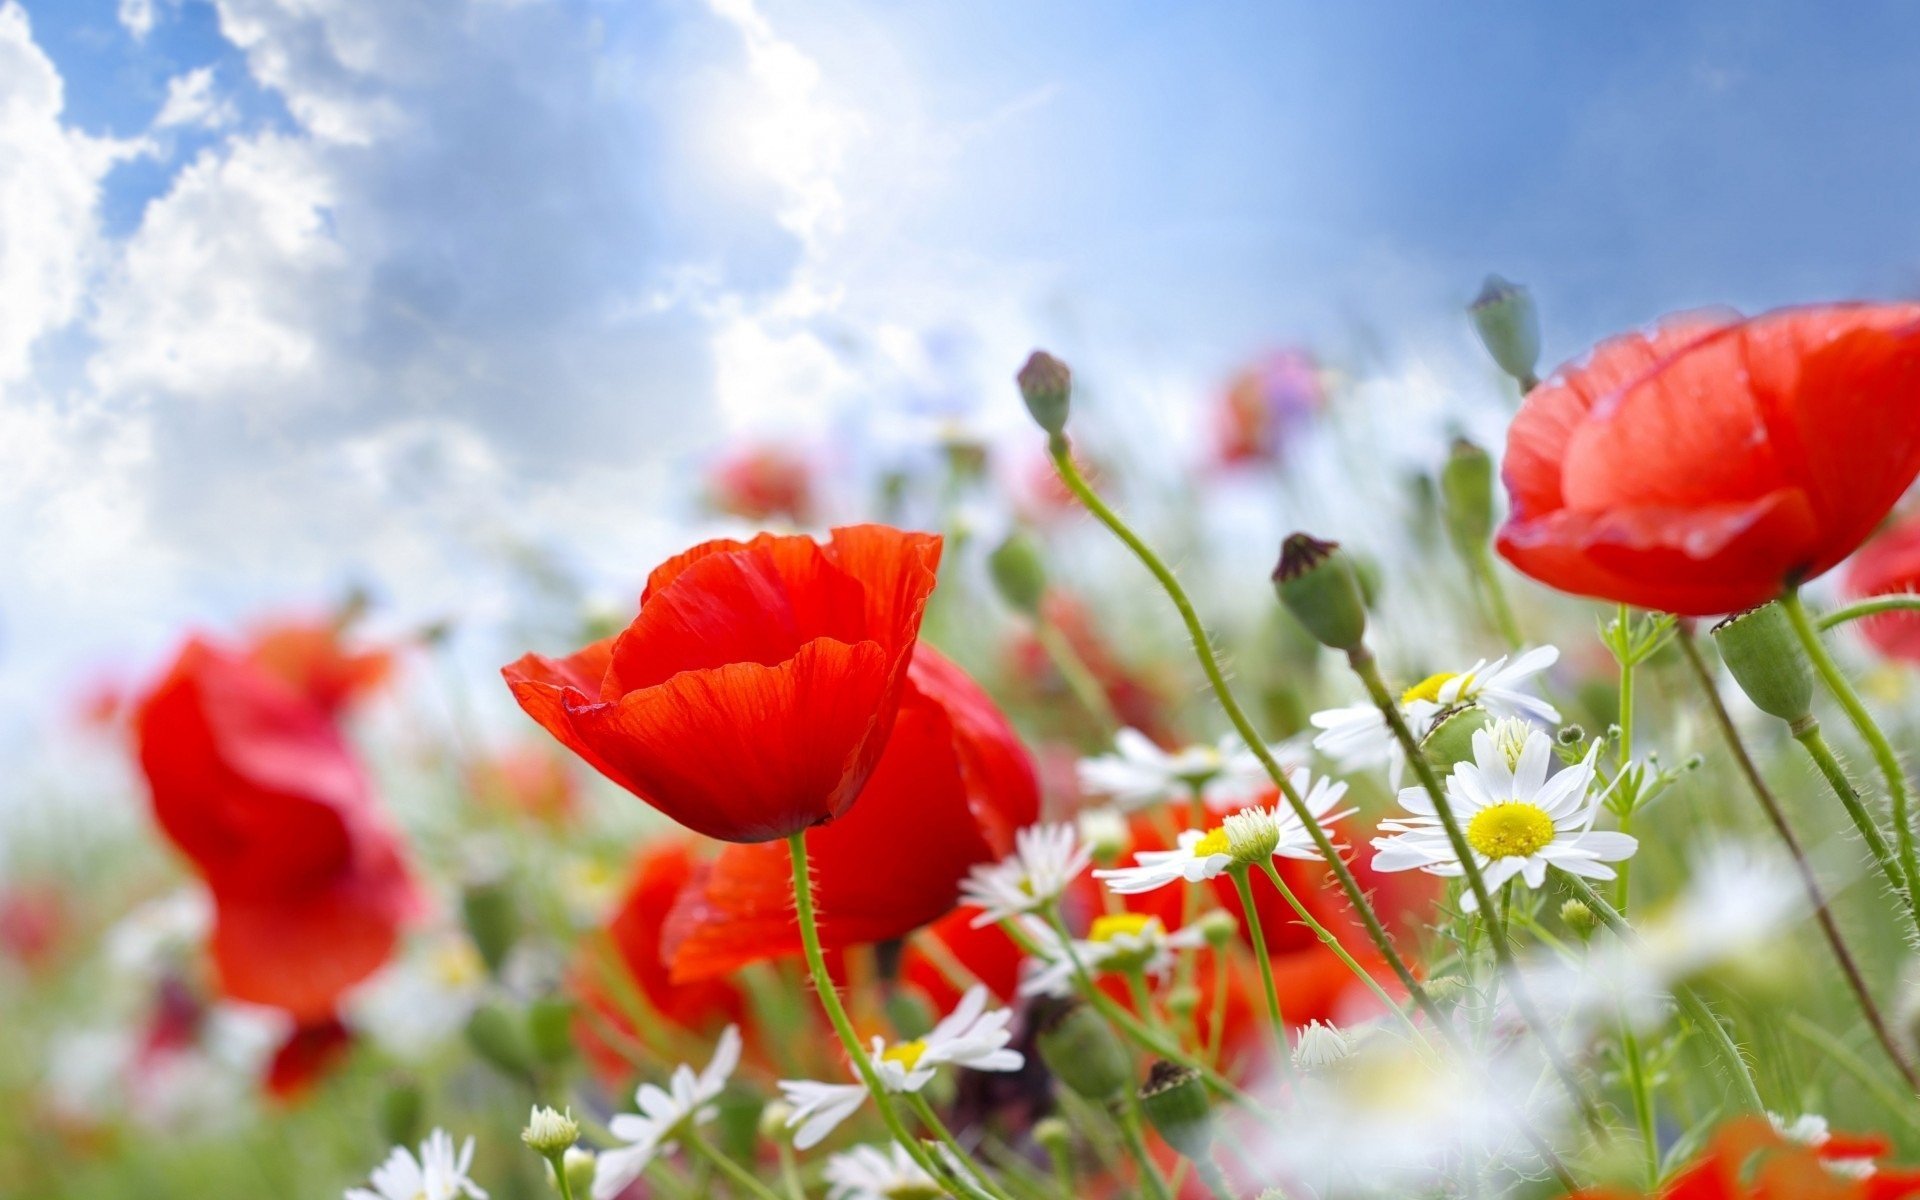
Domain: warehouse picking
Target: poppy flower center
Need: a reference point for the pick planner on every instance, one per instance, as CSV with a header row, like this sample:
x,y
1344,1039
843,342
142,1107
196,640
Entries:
x,y
907,1054
1214,843
1113,925
1428,689
1511,830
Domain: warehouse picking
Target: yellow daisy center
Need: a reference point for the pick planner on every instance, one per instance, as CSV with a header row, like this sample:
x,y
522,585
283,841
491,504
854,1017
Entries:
x,y
1127,924
1428,689
1214,843
1511,830
907,1054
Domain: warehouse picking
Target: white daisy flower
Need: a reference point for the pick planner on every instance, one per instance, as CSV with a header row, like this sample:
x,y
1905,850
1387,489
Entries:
x,y
665,1113
1125,941
1516,819
438,1174
1139,773
969,1037
1246,836
1045,859
420,1001
870,1173
1358,736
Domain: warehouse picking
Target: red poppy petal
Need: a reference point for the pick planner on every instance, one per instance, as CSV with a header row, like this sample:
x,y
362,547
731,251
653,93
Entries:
x,y
746,752
898,570
1890,563
301,954
308,1053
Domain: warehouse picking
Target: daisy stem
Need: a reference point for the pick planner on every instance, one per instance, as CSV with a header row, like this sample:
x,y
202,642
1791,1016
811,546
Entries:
x,y
837,1013
938,1128
1690,1002
1260,953
1868,608
1816,897
1217,1020
735,1173
790,1171
1869,730
1363,664
1333,943
559,1164
1625,866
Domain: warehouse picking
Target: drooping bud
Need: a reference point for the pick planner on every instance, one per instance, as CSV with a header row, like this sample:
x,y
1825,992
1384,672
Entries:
x,y
492,919
550,1132
1442,988
1577,916
1047,386
1509,327
1768,661
1174,1099
1450,740
1317,584
1018,573
1466,493
1084,1053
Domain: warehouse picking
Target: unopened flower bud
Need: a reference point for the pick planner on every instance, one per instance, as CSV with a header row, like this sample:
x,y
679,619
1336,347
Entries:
x,y
1084,1053
1018,573
1442,988
1450,740
579,1166
1183,1001
1218,927
773,1121
1767,660
1509,327
1321,1046
550,1132
1175,1102
1047,386
1053,1134
1106,834
492,919
1316,583
1466,491
1577,916
1571,734
1253,834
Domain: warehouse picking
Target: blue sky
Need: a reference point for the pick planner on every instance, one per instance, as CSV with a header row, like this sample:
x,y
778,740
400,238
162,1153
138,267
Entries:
x,y
296,292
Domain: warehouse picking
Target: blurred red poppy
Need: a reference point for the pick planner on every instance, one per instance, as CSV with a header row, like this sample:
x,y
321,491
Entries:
x,y
313,658
308,1053
751,697
1138,699
1702,468
1748,1159
760,483
949,792
1263,405
1889,564
985,952
533,781
255,785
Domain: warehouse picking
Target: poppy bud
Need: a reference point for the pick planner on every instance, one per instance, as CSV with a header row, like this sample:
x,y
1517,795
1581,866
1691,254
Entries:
x,y
1317,584
1018,573
1084,1053
399,1115
1767,661
492,919
1577,916
502,1041
550,1029
1046,385
1450,740
1466,490
1175,1101
1509,327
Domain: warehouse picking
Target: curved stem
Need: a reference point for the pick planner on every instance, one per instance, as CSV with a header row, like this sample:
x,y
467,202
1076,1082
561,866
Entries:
x,y
837,1013
1815,743
1333,943
735,1173
1889,763
1810,882
1868,608
1258,937
938,1128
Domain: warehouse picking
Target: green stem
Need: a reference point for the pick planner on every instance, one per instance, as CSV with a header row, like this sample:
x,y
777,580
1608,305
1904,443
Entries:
x,y
1155,1182
790,1172
1333,943
1837,1050
1689,1000
1869,608
736,1173
1503,619
938,1128
1808,734
1809,881
1642,1094
1623,872
558,1163
1265,958
837,1013
1869,730
1216,1179
1079,678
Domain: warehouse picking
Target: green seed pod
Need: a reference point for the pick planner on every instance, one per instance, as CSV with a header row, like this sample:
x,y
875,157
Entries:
x,y
1450,740
1018,573
1466,490
550,1029
1084,1053
1317,584
1509,327
401,1107
492,918
1047,386
499,1038
1767,661
1174,1098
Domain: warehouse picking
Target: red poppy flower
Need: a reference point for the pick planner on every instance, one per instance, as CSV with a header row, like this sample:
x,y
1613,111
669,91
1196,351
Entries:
x,y
312,658
533,781
986,952
1889,564
754,692
760,483
1701,468
308,1053
255,785
1750,1160
951,789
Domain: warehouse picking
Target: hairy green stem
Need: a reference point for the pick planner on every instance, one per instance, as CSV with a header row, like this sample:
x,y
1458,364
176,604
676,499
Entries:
x,y
1808,734
1265,958
1869,608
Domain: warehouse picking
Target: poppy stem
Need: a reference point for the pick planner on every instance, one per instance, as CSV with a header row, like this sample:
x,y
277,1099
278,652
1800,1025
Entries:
x,y
1815,744
1869,730
1260,952
1076,674
1816,896
837,1012
1155,1183
1868,608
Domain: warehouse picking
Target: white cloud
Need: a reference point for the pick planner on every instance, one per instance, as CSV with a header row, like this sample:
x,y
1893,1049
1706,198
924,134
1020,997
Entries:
x,y
191,102
137,17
